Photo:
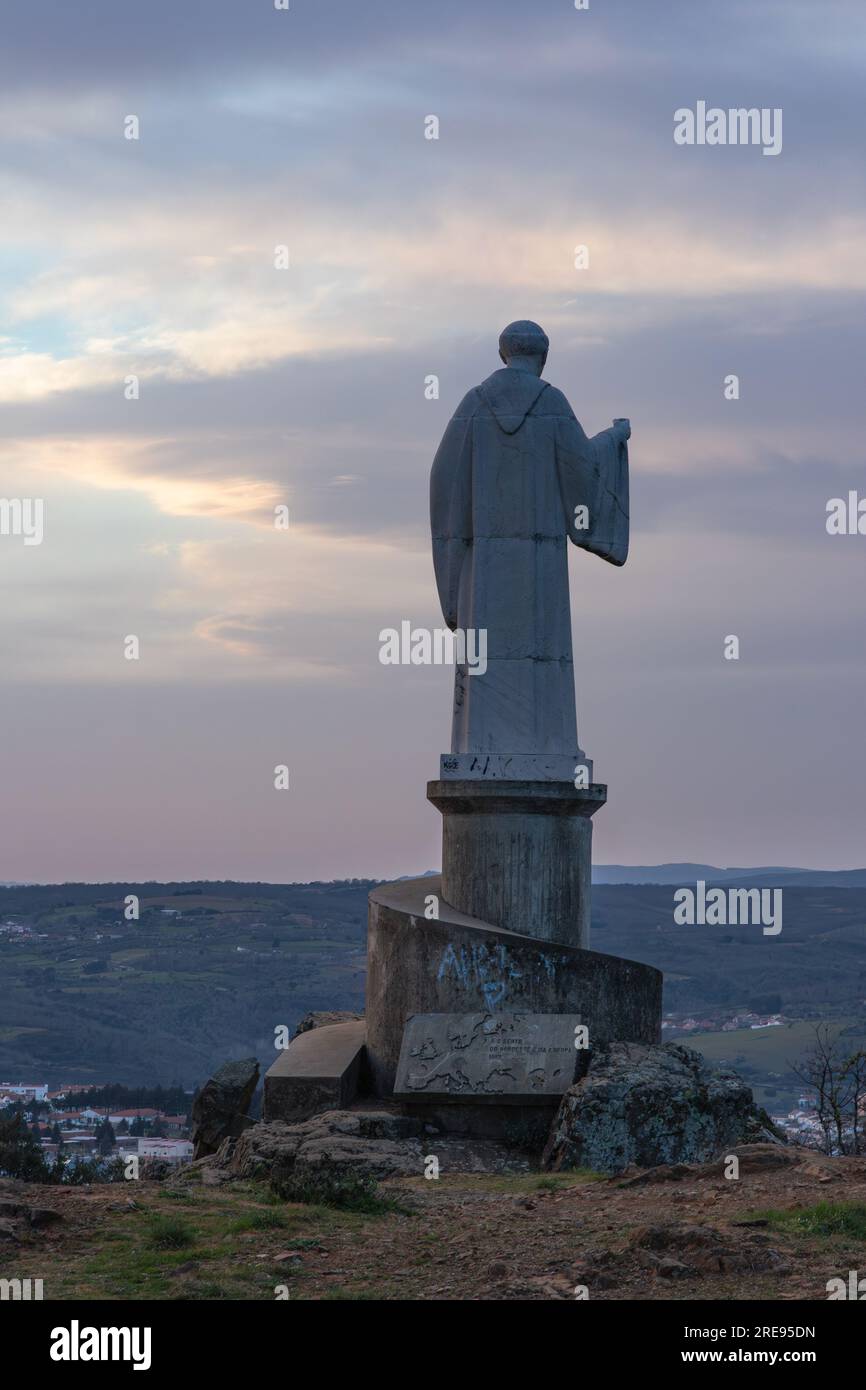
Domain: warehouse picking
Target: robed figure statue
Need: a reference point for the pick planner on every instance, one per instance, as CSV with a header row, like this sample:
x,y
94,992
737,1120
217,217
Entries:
x,y
514,478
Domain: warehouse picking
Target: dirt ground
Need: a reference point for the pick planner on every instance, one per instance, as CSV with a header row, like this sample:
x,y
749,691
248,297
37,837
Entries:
x,y
781,1230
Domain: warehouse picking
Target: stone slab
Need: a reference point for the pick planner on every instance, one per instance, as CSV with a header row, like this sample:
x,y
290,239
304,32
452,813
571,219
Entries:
x,y
500,1058
318,1071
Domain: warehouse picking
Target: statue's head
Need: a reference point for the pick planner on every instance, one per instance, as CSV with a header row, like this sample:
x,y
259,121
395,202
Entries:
x,y
524,345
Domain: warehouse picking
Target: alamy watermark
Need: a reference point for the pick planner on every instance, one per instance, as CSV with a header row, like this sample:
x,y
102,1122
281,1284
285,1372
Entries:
x,y
854,1287
846,516
712,125
729,907
438,646
77,1343
22,516
21,1290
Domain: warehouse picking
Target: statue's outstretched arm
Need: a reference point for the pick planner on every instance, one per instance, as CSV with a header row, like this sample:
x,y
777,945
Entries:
x,y
593,483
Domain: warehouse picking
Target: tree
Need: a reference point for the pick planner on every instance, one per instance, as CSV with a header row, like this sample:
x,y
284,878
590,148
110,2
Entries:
x,y
838,1080
105,1139
855,1075
21,1155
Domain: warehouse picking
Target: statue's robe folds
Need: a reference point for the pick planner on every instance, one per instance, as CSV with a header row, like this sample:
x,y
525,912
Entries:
x,y
513,466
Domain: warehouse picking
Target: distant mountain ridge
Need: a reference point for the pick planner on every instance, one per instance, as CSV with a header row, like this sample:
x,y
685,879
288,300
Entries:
x,y
764,876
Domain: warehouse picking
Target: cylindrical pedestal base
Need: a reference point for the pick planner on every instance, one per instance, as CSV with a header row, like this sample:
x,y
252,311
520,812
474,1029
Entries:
x,y
519,854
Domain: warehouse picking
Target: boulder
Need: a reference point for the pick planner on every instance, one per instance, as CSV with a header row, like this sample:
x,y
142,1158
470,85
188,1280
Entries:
x,y
644,1105
219,1111
14,1210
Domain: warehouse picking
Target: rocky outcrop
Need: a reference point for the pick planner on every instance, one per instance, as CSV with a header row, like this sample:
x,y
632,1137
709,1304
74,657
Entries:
x,y
155,1170
677,1250
18,1217
362,1144
15,1210
644,1105
760,1158
374,1144
219,1111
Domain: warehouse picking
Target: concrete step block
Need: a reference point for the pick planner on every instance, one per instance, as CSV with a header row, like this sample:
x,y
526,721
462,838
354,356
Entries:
x,y
318,1071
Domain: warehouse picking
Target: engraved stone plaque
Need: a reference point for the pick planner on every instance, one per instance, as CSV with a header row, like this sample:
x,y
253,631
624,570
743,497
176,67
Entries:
x,y
495,1058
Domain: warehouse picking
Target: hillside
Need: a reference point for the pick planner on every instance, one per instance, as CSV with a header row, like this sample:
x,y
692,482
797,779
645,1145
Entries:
x,y
210,970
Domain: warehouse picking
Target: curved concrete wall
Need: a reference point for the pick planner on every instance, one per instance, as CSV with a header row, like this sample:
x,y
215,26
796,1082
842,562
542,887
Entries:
x,y
459,964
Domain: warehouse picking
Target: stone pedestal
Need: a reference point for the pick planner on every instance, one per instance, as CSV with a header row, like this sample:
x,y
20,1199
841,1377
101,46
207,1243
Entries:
x,y
518,854
500,943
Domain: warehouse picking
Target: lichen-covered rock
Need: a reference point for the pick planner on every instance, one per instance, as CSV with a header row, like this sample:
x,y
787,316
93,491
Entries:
x,y
642,1104
219,1111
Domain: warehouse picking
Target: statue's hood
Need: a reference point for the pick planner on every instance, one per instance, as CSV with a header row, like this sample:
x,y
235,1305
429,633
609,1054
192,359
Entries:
x,y
511,394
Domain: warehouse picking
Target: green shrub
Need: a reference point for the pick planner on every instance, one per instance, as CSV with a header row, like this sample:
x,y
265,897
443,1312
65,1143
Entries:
x,y
260,1221
169,1233
333,1187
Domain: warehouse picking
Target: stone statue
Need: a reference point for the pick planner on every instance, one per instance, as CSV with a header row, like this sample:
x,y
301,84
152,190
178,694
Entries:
x,y
514,477
482,989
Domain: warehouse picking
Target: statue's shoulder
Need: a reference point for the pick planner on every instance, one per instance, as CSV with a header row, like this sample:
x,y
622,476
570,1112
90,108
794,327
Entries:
x,y
469,406
553,402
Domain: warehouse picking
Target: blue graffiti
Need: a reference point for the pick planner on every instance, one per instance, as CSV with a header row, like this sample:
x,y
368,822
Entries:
x,y
494,992
489,969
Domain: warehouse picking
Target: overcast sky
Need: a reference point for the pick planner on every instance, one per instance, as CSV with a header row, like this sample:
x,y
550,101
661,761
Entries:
x,y
305,386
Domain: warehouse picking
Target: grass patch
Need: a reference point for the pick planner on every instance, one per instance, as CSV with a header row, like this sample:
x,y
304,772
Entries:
x,y
121,1254
514,1184
259,1221
824,1219
170,1233
555,1182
